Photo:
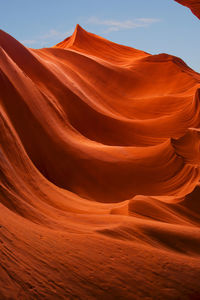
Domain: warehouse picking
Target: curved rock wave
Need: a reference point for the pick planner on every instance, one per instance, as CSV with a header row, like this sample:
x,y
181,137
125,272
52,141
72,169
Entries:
x,y
100,150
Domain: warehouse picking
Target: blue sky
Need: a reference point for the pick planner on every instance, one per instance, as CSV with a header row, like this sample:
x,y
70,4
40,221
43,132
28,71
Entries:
x,y
154,26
